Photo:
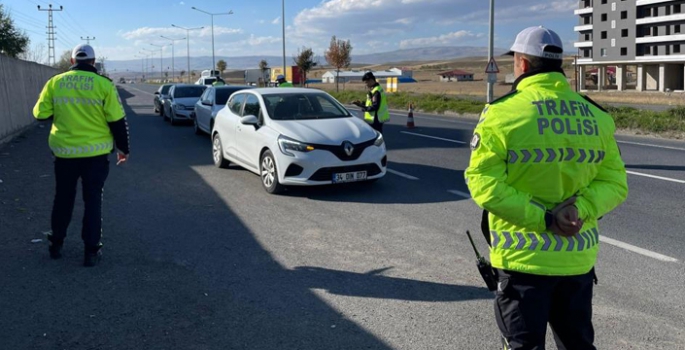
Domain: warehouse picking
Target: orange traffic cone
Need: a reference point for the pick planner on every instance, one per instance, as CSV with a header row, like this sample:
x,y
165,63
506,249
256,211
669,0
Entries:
x,y
410,116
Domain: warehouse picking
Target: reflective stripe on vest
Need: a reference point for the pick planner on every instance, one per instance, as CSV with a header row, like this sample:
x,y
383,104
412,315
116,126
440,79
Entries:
x,y
545,241
383,112
548,155
95,149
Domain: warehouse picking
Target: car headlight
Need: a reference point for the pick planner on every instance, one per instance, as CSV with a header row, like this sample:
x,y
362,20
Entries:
x,y
287,144
379,140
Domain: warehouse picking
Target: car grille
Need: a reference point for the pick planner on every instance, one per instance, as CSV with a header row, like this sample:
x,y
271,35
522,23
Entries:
x,y
326,174
339,150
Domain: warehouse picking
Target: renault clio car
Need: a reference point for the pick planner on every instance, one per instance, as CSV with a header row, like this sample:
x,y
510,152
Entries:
x,y
296,137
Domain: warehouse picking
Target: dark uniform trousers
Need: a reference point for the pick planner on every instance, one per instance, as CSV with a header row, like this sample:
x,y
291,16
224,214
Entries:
x,y
525,303
93,172
377,125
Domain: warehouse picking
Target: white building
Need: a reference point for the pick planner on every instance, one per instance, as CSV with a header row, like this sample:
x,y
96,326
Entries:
x,y
356,75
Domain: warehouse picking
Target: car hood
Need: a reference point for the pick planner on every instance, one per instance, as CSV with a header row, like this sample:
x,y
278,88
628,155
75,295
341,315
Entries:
x,y
186,101
326,131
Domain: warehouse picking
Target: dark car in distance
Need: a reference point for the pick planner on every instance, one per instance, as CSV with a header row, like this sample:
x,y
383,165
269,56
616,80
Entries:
x,y
161,94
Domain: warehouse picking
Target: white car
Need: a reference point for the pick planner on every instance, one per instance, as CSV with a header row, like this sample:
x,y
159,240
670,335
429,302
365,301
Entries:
x,y
296,137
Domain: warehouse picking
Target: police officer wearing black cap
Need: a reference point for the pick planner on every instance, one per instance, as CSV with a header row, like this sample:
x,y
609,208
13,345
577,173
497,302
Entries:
x,y
376,107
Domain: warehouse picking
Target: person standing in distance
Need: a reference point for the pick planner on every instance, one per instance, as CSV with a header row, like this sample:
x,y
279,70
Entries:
x,y
282,82
545,167
88,123
375,109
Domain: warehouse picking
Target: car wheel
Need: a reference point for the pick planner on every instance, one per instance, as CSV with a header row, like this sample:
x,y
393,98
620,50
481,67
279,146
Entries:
x,y
196,127
218,153
164,117
269,173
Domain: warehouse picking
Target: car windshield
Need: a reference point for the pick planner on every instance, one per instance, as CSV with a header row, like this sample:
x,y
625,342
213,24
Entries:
x,y
301,106
223,94
209,80
165,89
189,91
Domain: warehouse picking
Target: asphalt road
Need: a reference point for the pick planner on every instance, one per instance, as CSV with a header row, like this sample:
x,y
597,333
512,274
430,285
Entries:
x,y
203,258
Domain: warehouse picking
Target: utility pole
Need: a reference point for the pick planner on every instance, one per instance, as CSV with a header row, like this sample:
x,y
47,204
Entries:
x,y
51,32
285,72
148,59
172,54
491,47
230,12
88,39
187,45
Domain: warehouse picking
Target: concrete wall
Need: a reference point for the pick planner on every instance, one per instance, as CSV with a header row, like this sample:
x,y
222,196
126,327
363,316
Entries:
x,y
20,85
651,77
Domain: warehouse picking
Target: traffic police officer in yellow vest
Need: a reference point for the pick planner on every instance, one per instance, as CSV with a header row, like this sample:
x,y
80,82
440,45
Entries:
x,y
280,79
88,122
545,167
375,109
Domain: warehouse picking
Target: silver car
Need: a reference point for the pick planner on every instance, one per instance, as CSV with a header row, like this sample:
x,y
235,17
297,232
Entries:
x,y
179,106
161,94
210,103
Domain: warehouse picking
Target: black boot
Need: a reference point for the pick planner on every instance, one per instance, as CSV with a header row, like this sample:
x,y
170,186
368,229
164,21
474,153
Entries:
x,y
92,256
55,248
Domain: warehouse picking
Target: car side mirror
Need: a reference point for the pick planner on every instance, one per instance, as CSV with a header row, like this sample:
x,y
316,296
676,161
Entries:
x,y
249,120
208,103
156,92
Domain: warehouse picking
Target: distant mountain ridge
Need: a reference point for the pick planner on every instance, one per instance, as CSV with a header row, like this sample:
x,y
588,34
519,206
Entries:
x,y
245,62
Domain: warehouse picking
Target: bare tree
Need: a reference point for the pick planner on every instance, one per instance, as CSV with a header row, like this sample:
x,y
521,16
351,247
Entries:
x,y
64,61
263,66
339,55
305,61
36,53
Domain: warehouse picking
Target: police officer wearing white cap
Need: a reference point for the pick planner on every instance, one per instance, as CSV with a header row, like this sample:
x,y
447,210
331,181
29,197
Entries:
x,y
88,123
544,167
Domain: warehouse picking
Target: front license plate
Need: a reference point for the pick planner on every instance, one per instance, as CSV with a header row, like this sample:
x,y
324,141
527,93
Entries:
x,y
349,177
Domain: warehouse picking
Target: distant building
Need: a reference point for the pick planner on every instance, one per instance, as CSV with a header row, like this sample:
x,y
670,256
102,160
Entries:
x,y
456,75
404,76
647,33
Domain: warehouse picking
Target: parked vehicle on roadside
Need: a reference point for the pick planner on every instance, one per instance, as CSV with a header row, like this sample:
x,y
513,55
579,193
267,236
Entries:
x,y
206,81
161,94
296,137
181,101
210,103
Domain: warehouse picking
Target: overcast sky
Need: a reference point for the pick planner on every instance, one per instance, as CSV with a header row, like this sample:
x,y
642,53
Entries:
x,y
124,28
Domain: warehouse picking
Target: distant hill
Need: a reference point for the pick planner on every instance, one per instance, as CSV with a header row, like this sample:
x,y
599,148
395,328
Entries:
x,y
244,62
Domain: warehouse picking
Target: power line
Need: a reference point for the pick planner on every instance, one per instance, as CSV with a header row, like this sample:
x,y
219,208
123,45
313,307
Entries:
x,y
51,32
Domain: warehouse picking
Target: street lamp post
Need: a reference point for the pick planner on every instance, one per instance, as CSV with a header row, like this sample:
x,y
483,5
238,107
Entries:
x,y
148,54
161,67
172,54
187,45
230,12
285,72
142,66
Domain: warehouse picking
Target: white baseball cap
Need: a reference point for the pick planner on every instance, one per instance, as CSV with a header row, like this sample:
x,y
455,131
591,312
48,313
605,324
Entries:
x,y
537,41
83,52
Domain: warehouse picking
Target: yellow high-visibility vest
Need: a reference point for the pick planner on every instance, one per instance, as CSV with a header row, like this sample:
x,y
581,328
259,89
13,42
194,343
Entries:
x,y
531,150
82,104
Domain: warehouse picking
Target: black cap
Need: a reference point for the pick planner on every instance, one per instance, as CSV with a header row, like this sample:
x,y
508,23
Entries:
x,y
368,76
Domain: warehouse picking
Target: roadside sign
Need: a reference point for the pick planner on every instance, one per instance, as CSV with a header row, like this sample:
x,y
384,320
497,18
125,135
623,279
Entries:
x,y
492,66
492,78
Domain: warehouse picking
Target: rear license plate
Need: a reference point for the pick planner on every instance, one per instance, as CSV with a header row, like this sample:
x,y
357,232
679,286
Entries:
x,y
349,177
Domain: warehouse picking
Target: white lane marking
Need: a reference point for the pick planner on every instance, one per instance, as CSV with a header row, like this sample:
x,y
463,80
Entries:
x,y
656,177
460,193
433,137
131,87
474,123
651,145
638,250
402,174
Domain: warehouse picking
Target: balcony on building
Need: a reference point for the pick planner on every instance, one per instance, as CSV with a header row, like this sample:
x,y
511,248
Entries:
x,y
582,44
582,28
650,2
